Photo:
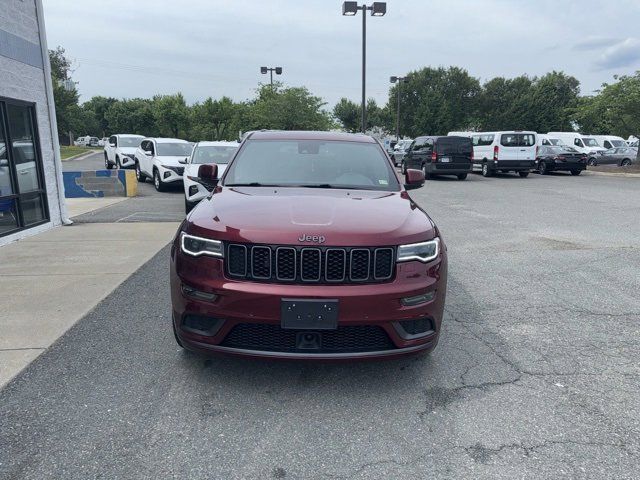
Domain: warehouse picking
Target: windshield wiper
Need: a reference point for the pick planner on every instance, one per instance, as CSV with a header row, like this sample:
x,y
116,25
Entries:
x,y
317,185
252,184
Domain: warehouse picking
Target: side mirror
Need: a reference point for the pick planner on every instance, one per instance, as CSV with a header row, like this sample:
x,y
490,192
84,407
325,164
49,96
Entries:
x,y
208,175
183,162
413,179
148,152
112,144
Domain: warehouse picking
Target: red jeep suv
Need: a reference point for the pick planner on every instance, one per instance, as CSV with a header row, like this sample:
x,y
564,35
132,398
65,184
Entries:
x,y
309,247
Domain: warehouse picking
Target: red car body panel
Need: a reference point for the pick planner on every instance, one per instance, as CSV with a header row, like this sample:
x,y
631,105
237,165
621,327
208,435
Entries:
x,y
280,216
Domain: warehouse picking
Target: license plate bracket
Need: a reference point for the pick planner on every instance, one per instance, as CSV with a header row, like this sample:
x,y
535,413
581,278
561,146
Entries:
x,y
308,314
445,159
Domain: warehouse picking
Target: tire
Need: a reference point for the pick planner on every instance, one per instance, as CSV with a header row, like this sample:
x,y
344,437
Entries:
x,y
523,174
403,167
626,162
593,162
462,176
542,168
575,173
118,164
141,177
157,182
485,170
107,165
427,176
187,206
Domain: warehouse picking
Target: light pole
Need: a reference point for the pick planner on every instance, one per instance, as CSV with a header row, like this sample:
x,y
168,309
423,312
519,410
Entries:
x,y
378,9
264,70
400,80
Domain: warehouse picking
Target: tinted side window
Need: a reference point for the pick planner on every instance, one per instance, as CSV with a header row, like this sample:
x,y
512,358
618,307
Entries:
x,y
607,144
578,142
113,140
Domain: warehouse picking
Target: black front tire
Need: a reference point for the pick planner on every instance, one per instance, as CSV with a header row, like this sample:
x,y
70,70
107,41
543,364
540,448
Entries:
x,y
523,174
157,182
403,167
118,164
542,168
626,162
141,177
485,170
593,162
187,206
107,165
575,173
427,175
462,176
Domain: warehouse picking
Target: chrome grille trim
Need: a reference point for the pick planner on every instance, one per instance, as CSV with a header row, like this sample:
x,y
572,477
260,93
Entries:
x,y
375,263
246,260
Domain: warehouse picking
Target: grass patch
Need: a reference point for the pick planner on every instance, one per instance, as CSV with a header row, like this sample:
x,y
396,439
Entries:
x,y
68,152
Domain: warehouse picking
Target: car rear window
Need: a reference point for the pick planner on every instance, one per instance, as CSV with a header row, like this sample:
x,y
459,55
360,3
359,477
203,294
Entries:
x,y
451,145
483,140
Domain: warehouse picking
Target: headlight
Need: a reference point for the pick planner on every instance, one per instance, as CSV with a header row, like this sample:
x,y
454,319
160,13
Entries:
x,y
423,251
196,246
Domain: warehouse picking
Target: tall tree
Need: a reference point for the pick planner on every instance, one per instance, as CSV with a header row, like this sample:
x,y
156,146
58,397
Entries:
x,y
171,115
214,119
98,107
348,114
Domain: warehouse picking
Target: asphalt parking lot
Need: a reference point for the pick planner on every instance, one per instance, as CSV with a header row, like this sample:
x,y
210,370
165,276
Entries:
x,y
536,375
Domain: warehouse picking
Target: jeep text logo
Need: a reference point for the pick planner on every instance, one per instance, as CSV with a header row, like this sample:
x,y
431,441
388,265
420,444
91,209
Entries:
x,y
311,238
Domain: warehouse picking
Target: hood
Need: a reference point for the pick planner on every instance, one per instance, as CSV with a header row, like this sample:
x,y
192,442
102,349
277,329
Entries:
x,y
171,161
282,215
130,150
192,169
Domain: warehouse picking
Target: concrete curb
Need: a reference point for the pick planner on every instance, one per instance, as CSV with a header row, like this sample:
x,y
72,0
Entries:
x,y
80,156
612,174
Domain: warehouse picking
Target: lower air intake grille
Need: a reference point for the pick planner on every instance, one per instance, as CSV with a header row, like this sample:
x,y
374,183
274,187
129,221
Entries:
x,y
272,338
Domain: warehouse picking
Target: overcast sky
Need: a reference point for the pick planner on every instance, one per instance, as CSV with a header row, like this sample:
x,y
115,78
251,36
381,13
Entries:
x,y
138,48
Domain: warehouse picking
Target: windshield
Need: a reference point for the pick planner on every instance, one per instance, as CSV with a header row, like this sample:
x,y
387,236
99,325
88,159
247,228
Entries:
x,y
213,154
590,142
562,149
174,149
129,141
555,141
618,143
312,163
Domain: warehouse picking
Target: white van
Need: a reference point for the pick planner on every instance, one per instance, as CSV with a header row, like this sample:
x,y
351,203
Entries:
x,y
610,141
582,143
549,141
511,151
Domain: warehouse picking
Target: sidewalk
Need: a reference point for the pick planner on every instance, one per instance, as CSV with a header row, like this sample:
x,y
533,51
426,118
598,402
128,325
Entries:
x,y
51,280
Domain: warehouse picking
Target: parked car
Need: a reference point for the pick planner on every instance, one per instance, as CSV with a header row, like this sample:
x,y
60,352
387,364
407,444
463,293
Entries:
x,y
159,159
583,144
281,262
440,156
399,151
103,141
219,153
561,157
610,141
93,142
120,150
82,141
511,151
621,156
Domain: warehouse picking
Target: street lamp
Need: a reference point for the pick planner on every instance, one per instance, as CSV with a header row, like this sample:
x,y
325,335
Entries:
x,y
400,80
377,9
264,70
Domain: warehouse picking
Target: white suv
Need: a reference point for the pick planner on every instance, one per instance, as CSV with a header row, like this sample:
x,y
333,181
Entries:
x,y
219,153
162,159
120,149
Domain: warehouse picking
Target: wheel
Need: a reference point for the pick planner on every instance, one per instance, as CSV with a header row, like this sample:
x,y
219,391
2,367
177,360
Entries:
x,y
141,177
485,170
118,164
157,182
175,335
542,168
187,206
625,162
592,161
575,172
427,176
462,176
403,167
523,174
107,165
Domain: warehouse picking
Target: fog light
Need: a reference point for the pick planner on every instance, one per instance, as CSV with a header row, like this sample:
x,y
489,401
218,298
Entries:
x,y
417,327
193,189
418,299
192,292
166,174
202,325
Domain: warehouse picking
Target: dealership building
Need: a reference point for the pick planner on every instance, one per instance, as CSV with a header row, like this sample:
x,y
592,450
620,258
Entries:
x,y
31,188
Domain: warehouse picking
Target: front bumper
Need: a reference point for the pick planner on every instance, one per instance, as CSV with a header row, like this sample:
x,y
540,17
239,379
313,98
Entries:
x,y
194,191
559,165
246,304
448,168
127,162
170,174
